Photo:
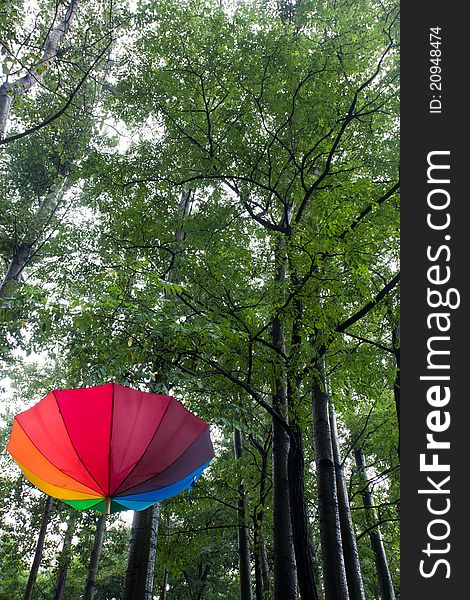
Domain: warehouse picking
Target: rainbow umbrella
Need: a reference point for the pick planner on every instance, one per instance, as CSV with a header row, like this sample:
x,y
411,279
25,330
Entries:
x,y
109,447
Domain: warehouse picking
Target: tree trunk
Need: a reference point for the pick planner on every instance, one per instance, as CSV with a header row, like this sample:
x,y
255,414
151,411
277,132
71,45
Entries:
x,y
90,584
138,581
25,248
164,591
65,557
243,531
8,92
265,574
259,591
396,383
301,533
351,555
387,591
334,573
39,546
303,543
283,547
203,575
262,578
165,530
11,90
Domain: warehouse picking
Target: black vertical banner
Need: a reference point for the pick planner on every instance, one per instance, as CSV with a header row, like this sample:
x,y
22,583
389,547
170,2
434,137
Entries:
x,y
435,425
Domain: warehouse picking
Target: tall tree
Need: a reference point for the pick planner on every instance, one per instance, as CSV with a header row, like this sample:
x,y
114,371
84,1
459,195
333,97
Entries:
x,y
262,575
65,557
145,524
334,571
243,531
396,383
10,90
39,547
348,536
38,163
138,580
32,235
387,591
90,583
283,543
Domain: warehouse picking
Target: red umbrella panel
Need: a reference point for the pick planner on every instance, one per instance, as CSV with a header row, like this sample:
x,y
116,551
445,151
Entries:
x,y
109,447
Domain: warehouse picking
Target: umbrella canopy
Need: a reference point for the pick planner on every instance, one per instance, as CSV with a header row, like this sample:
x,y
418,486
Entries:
x,y
109,447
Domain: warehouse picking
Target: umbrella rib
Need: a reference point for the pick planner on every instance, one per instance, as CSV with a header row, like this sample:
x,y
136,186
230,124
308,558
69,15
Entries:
x,y
109,446
146,448
51,463
121,506
71,442
167,467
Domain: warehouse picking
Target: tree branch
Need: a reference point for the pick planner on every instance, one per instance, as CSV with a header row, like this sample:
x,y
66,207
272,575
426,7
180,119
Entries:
x,y
62,110
369,306
368,209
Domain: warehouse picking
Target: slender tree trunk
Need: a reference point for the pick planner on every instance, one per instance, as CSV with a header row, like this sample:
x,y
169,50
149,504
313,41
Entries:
x,y
283,547
65,557
244,550
165,530
351,555
262,577
265,574
199,581
8,92
28,242
138,580
39,546
203,575
164,590
259,592
90,584
334,573
243,531
396,383
387,591
13,89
